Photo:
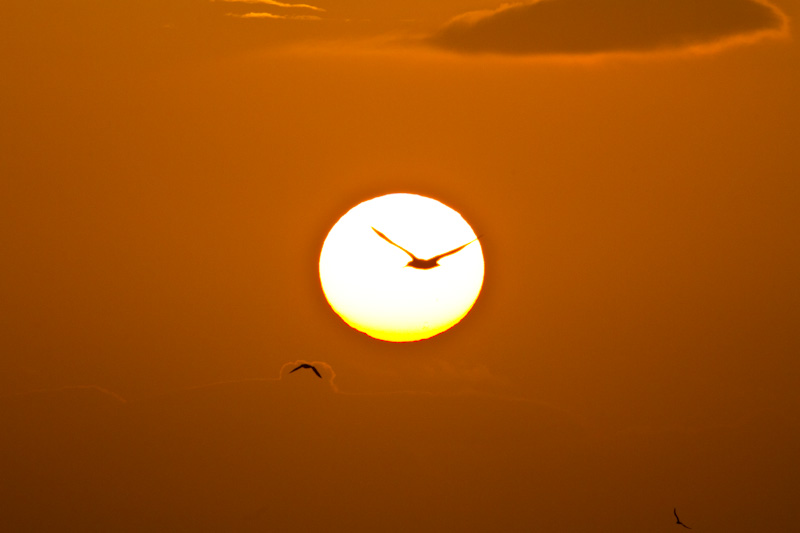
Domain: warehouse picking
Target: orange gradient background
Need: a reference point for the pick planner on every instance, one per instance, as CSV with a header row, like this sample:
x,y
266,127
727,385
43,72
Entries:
x,y
170,170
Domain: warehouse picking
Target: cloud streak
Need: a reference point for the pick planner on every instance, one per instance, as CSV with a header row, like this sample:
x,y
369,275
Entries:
x,y
262,15
583,27
274,3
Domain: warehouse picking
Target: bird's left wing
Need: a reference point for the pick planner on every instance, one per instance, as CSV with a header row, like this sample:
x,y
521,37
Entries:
x,y
316,372
390,241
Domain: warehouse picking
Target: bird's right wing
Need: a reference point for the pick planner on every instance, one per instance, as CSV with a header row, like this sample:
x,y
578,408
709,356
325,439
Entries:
x,y
387,239
454,250
298,368
316,371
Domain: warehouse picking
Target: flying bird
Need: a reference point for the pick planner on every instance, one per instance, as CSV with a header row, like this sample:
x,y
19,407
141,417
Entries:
x,y
312,367
424,264
675,512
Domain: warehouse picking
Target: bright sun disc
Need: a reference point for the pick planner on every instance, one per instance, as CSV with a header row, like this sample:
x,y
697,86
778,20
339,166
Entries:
x,y
367,281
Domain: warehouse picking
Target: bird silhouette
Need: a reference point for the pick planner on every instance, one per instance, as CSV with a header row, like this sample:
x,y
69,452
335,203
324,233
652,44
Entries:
x,y
678,522
424,264
312,367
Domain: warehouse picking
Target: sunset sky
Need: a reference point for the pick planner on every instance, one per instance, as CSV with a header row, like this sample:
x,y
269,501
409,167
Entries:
x,y
170,170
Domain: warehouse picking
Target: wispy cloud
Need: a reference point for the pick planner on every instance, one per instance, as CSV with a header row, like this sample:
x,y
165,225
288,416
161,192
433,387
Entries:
x,y
582,27
260,15
274,3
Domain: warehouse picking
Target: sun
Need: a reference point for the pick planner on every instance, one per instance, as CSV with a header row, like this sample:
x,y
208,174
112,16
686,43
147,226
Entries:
x,y
373,285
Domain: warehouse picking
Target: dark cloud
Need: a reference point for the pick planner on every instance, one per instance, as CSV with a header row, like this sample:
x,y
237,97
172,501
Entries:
x,y
578,27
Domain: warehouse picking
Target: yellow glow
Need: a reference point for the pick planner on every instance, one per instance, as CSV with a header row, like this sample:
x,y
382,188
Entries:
x,y
368,284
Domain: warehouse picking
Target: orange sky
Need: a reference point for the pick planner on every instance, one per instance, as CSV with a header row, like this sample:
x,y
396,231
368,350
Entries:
x,y
169,172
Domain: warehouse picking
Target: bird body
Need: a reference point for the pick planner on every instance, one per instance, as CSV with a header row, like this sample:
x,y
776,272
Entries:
x,y
424,264
305,365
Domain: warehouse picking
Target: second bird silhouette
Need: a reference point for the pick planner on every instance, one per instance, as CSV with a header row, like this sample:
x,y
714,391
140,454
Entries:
x,y
424,264
306,365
